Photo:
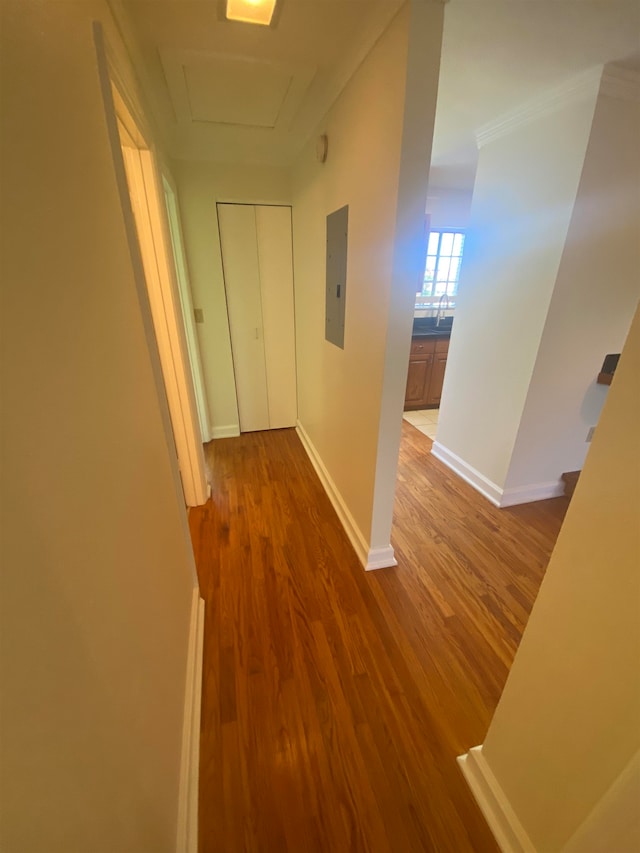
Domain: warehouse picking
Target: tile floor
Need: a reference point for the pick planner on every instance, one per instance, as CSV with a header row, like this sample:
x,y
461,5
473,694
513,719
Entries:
x,y
426,420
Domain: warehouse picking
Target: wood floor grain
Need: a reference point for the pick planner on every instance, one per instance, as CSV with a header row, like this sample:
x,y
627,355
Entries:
x,y
336,701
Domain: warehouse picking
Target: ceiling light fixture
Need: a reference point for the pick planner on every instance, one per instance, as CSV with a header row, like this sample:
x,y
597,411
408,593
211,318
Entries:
x,y
251,11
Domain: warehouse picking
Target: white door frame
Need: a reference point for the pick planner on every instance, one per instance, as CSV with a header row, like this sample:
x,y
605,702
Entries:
x,y
138,157
175,230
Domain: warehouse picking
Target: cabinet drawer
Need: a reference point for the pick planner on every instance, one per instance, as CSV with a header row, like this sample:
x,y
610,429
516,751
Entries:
x,y
422,346
443,345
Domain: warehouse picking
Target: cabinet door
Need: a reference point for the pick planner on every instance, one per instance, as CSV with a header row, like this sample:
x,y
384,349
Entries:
x,y
437,379
418,379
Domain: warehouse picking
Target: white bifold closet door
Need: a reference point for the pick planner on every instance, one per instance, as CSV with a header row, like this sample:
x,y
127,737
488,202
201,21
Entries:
x,y
258,277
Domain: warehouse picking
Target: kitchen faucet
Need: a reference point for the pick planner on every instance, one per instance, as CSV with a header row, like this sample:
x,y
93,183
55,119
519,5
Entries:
x,y
440,314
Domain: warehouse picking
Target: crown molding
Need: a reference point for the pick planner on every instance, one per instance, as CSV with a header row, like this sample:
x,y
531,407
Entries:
x,y
620,83
550,101
610,80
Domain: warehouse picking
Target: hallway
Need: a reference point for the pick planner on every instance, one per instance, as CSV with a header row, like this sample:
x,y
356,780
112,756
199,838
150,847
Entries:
x,y
335,701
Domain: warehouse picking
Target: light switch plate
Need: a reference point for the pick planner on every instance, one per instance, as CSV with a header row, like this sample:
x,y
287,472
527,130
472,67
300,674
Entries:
x,y
198,313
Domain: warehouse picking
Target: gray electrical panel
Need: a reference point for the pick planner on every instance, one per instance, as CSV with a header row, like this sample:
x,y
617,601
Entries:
x,y
337,230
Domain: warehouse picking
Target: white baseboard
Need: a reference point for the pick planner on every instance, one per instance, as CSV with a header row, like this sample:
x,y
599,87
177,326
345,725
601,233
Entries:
x,y
380,558
533,492
499,814
498,496
187,838
377,558
228,431
479,482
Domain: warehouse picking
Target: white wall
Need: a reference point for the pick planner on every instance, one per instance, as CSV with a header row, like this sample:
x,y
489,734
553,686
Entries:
x,y
409,256
97,569
449,207
340,391
566,726
200,186
595,296
522,205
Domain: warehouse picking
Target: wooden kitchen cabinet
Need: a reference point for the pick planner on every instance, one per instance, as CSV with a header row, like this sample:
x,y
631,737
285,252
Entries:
x,y
425,376
437,379
418,381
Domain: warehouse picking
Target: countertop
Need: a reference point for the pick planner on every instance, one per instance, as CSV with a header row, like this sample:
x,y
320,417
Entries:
x,y
431,333
428,329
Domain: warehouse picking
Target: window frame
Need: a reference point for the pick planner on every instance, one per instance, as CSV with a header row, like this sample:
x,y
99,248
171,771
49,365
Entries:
x,y
450,293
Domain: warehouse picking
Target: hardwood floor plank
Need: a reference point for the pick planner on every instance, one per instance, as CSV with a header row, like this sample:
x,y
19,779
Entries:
x,y
336,701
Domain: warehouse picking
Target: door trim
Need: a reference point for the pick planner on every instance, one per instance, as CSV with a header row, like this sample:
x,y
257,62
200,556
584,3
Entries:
x,y
162,314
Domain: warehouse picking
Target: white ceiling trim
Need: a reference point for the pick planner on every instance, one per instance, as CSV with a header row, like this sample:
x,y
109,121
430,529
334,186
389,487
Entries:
x,y
548,102
312,113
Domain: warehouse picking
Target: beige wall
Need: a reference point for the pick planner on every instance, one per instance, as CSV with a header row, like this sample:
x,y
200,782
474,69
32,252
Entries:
x,y
97,570
523,200
567,723
340,391
200,186
614,822
593,303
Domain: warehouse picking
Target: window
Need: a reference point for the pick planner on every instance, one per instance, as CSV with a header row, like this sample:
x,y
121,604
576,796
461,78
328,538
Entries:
x,y
444,255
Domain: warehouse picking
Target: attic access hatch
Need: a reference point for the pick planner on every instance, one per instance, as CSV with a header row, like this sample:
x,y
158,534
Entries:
x,y
220,89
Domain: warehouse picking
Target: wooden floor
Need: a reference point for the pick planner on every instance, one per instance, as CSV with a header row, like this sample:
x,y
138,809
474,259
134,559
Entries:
x,y
336,701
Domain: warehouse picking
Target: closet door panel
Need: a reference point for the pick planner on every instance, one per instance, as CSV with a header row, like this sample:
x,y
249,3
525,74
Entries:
x,y
238,241
273,230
